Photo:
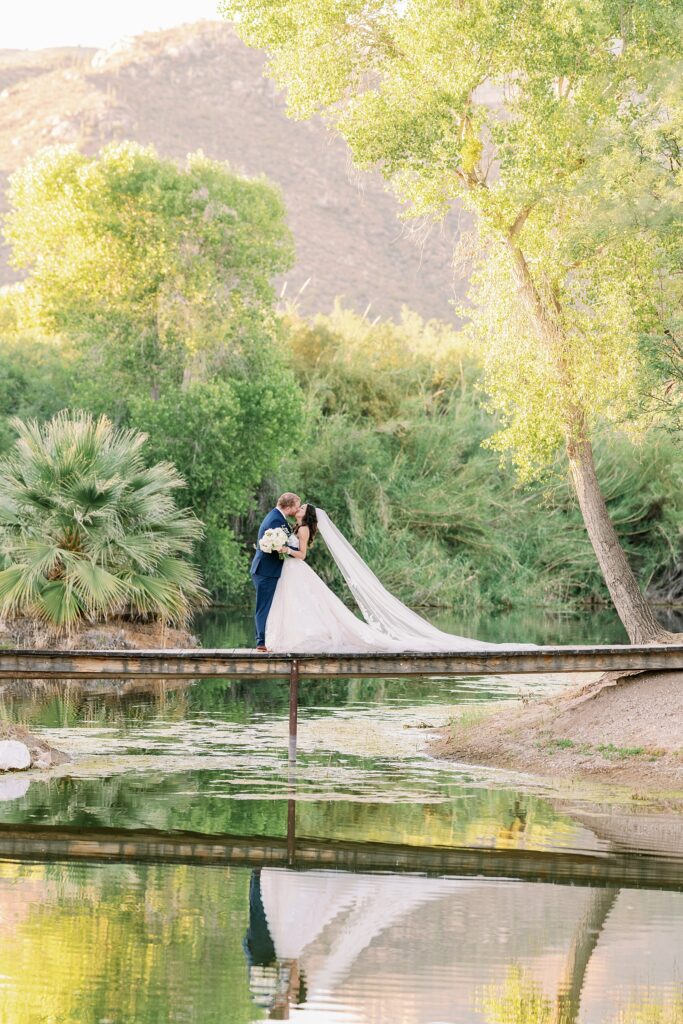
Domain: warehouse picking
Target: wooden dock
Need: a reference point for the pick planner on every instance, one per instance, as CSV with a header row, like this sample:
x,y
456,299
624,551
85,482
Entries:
x,y
245,663
200,663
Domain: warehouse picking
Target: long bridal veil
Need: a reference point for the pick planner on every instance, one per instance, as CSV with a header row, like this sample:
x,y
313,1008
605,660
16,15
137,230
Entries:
x,y
386,613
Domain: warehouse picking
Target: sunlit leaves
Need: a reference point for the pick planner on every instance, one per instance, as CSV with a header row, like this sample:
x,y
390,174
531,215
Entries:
x,y
559,125
144,262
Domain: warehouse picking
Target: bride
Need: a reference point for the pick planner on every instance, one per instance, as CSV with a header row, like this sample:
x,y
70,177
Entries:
x,y
306,617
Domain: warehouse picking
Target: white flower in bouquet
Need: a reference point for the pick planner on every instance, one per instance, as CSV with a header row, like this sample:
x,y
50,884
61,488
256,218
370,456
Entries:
x,y
273,540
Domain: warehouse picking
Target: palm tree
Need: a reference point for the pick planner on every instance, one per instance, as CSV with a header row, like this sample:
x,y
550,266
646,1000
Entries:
x,y
88,531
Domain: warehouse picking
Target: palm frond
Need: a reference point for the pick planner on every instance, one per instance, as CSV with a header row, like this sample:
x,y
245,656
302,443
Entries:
x,y
18,589
153,595
58,603
183,575
39,556
79,503
97,589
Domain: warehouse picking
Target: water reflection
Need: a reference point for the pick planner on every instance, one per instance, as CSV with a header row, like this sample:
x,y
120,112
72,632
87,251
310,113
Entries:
x,y
329,935
178,944
13,787
459,815
185,944
212,758
224,627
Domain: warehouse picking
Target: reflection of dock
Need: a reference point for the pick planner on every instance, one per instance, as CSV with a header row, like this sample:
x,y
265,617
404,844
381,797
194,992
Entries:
x,y
108,845
230,664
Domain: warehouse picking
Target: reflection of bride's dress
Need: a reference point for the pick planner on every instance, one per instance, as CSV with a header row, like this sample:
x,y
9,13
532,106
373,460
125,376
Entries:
x,y
307,617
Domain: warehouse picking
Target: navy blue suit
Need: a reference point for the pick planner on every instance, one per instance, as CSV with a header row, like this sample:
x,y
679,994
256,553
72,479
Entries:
x,y
265,572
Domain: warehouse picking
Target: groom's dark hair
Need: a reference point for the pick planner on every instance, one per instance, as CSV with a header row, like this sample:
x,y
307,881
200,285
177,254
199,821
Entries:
x,y
288,500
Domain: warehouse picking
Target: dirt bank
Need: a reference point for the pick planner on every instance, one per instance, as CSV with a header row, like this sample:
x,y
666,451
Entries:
x,y
626,729
114,635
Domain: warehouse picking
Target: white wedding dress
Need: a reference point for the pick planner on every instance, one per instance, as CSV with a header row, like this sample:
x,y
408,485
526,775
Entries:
x,y
306,617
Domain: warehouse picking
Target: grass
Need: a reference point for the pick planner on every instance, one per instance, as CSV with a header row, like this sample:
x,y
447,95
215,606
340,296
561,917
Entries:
x,y
554,746
608,750
468,718
615,753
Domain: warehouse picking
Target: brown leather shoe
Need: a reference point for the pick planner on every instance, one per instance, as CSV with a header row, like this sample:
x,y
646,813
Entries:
x,y
264,650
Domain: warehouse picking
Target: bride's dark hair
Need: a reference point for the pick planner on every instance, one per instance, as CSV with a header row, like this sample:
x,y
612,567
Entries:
x,y
310,520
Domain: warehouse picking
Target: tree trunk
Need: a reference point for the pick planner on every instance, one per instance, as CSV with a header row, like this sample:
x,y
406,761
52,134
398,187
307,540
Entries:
x,y
631,606
633,609
600,903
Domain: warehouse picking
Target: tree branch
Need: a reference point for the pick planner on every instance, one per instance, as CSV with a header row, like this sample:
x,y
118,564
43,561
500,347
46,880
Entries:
x,y
520,221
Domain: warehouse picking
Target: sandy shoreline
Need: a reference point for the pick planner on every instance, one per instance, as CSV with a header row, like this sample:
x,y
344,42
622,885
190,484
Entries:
x,y
626,730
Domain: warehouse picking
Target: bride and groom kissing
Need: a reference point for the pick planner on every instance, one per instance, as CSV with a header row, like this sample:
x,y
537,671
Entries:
x,y
297,613
267,566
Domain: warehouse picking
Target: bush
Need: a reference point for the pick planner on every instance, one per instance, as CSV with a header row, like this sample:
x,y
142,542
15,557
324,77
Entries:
x,y
35,382
224,436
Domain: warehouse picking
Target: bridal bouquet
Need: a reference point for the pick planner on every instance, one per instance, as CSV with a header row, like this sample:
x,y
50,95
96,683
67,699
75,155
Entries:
x,y
273,540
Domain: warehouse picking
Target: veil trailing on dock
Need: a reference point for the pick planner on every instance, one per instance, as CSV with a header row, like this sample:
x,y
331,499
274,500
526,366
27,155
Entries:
x,y
384,612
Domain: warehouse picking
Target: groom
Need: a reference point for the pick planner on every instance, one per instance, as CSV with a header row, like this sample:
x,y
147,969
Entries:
x,y
266,568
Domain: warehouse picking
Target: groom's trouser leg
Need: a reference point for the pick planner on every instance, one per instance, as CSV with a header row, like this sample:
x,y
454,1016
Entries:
x,y
265,590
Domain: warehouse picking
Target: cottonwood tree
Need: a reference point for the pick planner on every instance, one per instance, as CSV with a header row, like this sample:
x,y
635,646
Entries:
x,y
557,124
155,269
160,278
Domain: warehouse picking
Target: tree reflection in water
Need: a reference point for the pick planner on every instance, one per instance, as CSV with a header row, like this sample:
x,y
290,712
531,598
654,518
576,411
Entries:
x,y
521,1000
349,936
182,944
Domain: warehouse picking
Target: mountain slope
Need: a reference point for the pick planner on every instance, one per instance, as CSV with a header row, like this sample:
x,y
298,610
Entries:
x,y
199,87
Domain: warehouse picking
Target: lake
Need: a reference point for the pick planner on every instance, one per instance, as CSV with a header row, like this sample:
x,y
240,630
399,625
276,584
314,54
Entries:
x,y
371,929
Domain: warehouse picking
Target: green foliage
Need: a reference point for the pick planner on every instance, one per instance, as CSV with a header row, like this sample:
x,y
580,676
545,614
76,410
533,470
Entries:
x,y
398,463
224,436
347,365
87,530
560,126
35,380
159,271
154,285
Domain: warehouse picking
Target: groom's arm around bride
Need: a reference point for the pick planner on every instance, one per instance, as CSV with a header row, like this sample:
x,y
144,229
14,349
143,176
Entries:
x,y
267,567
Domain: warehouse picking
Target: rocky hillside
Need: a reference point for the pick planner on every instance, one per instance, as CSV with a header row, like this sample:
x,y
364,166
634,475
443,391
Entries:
x,y
199,87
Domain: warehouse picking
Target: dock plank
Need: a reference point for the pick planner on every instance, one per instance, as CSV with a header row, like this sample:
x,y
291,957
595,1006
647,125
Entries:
x,y
245,663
